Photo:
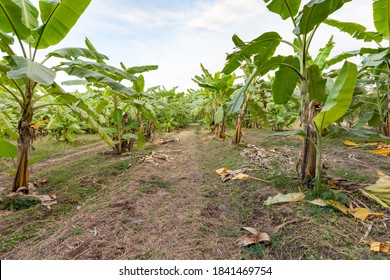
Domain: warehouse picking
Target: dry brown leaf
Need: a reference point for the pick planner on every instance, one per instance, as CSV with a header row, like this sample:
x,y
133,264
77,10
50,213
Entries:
x,y
238,174
12,195
23,190
264,158
382,247
383,178
162,141
229,174
251,230
255,238
153,158
208,138
350,143
48,200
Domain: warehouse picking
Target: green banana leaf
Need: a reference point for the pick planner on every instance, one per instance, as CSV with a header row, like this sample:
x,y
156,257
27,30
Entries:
x,y
286,80
340,97
356,30
7,149
117,116
314,13
11,15
218,116
74,53
7,127
284,8
96,77
58,17
263,47
324,53
349,54
381,11
22,67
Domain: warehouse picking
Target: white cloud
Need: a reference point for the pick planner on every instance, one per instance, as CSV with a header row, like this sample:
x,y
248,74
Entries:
x,y
221,13
153,17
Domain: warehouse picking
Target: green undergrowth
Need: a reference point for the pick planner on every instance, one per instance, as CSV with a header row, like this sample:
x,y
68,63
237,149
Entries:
x,y
47,146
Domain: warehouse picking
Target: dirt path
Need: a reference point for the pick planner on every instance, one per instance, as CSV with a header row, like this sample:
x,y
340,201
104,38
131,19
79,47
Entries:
x,y
151,212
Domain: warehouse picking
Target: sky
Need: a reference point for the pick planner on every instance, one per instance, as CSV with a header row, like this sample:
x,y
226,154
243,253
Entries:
x,y
178,35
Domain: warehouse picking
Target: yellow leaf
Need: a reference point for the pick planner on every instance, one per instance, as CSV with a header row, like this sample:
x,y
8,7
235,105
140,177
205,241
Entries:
x,y
363,213
337,205
382,152
382,247
359,213
221,171
350,143
38,124
241,176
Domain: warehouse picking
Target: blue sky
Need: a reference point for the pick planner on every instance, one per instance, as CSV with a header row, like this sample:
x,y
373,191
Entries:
x,y
178,35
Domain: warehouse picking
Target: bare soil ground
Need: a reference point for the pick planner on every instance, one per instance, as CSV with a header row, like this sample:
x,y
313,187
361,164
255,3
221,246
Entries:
x,y
176,207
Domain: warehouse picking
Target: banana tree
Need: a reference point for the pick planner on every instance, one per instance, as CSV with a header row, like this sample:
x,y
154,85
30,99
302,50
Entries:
x,y
173,108
378,60
220,88
127,106
263,47
299,70
310,81
33,30
64,125
201,108
370,100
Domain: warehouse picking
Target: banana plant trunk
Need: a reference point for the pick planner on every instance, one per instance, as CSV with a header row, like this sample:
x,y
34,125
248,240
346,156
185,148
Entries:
x,y
238,133
149,131
388,114
26,136
309,152
220,130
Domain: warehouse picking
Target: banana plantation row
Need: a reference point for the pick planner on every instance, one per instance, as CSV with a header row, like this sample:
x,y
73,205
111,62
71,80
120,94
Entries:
x,y
256,88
